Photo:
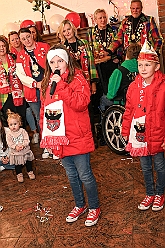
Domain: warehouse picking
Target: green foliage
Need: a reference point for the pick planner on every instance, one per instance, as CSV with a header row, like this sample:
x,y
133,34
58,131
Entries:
x,y
40,5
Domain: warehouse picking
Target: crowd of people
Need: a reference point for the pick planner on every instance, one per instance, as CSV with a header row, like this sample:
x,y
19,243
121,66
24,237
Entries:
x,y
47,88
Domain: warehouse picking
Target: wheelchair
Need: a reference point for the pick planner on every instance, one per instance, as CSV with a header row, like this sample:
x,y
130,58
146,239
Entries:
x,y
110,126
111,119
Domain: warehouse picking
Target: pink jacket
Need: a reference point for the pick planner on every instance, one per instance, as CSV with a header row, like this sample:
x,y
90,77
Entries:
x,y
155,111
76,97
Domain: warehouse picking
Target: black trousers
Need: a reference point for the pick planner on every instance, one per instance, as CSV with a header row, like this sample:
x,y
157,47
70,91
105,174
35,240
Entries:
x,y
18,168
21,110
104,71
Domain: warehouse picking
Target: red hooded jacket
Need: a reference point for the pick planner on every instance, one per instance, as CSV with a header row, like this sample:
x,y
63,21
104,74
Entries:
x,y
75,97
155,111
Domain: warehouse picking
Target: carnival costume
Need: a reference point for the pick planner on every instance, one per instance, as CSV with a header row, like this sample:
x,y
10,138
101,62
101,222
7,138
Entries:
x,y
145,29
70,132
27,69
82,53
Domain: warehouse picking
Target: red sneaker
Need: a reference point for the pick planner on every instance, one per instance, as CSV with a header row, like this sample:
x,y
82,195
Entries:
x,y
158,203
92,217
75,213
146,203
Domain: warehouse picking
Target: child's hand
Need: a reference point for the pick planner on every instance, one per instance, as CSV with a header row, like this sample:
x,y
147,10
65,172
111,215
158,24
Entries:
x,y
163,146
56,78
5,160
19,148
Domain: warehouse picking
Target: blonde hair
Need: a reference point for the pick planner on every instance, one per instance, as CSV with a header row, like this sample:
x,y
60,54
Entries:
x,y
99,11
15,116
61,28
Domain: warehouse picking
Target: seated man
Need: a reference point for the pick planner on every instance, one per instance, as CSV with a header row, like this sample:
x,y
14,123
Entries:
x,y
121,78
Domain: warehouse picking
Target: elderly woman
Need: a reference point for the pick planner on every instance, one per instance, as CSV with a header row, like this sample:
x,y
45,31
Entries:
x,y
11,94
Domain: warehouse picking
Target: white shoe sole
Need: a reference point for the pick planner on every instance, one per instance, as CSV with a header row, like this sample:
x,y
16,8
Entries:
x,y
143,207
89,223
70,220
157,208
45,155
55,157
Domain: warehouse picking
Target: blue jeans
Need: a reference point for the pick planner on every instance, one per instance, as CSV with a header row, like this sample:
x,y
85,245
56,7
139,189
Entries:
x,y
159,166
7,166
35,107
79,172
105,102
30,119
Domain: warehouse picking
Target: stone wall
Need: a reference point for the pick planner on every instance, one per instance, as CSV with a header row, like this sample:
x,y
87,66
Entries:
x,y
161,13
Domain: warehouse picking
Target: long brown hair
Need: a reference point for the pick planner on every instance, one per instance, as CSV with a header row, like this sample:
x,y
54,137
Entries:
x,y
72,64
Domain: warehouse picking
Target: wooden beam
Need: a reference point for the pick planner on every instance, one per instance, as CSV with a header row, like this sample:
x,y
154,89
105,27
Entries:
x,y
59,6
55,4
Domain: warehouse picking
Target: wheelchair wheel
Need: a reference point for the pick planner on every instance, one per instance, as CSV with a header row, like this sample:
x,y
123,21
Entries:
x,y
111,128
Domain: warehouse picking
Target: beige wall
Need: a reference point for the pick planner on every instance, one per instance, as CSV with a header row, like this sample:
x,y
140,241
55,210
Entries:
x,y
19,10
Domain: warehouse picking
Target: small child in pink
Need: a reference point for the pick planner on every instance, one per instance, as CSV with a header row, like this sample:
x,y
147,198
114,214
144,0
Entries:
x,y
18,141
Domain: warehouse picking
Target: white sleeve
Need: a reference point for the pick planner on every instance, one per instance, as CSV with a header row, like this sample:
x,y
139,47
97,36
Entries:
x,y
25,80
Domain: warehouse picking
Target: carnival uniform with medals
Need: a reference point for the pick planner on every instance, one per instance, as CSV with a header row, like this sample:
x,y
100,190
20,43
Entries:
x,y
138,30
96,38
83,54
28,71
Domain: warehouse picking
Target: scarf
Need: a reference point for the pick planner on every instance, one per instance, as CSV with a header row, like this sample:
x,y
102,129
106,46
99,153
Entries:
x,y
53,134
137,145
10,83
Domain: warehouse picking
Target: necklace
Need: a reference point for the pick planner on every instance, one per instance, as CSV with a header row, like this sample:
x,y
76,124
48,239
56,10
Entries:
x,y
74,49
133,35
103,36
73,46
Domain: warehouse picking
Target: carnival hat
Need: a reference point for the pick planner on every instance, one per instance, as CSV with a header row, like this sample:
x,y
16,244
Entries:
x,y
148,53
27,24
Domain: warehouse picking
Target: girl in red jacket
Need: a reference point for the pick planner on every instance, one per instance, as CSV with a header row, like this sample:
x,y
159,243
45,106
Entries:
x,y
66,129
143,125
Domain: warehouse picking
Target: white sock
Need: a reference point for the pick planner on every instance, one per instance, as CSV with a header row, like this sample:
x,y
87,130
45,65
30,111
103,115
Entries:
x,y
2,168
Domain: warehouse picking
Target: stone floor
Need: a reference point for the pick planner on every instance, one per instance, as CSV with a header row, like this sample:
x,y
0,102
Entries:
x,y
120,186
